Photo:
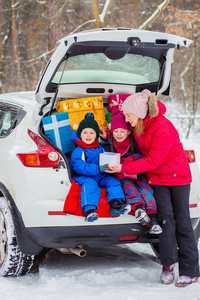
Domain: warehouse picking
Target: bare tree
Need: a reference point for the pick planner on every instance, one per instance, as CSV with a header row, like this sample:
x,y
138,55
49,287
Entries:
x,y
30,30
180,19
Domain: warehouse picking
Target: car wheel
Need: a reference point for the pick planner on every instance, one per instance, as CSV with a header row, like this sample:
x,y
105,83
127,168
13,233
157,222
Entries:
x,y
12,261
196,228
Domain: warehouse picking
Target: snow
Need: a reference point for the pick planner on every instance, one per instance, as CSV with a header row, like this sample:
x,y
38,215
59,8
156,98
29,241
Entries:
x,y
117,272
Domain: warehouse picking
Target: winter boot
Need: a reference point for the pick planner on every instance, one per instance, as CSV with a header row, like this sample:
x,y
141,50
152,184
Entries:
x,y
91,215
168,274
141,215
185,281
117,208
154,227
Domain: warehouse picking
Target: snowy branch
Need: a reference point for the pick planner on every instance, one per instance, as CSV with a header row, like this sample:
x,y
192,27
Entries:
x,y
34,60
83,24
155,15
15,4
183,73
105,10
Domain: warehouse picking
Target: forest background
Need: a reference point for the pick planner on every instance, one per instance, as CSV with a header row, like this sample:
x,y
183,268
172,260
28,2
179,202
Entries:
x,y
29,30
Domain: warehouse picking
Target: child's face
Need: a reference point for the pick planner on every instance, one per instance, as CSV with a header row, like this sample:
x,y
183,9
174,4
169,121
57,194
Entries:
x,y
120,134
132,119
88,135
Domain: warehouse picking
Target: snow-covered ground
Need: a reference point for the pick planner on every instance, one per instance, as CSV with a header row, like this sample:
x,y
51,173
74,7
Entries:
x,y
125,273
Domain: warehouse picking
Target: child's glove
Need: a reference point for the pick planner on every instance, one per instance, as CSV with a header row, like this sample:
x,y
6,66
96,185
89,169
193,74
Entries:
x,y
103,168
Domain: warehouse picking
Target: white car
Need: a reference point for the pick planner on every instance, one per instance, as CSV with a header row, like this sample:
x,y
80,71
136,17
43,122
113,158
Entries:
x,y
35,175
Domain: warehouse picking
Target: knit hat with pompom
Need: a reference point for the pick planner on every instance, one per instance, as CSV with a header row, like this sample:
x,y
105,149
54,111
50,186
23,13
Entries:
x,y
118,120
137,104
88,122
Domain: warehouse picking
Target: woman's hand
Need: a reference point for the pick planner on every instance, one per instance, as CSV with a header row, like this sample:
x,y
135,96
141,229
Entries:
x,y
114,169
103,134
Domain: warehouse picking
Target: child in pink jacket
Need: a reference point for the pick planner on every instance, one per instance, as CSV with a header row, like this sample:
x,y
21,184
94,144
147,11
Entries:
x,y
136,189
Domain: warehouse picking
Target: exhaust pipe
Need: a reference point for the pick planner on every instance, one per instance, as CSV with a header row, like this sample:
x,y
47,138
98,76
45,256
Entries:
x,y
78,251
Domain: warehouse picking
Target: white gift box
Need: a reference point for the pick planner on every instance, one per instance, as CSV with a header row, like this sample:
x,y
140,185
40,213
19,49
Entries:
x,y
109,158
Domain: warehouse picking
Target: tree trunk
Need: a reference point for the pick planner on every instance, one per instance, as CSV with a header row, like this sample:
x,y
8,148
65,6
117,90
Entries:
x,y
14,34
16,66
96,13
52,8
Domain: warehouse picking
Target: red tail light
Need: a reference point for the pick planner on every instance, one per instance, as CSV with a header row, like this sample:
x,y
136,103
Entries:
x,y
193,205
128,238
45,156
190,155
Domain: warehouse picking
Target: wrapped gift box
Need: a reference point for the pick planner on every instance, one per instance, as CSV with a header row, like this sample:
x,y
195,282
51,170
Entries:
x,y
58,130
77,108
109,158
116,101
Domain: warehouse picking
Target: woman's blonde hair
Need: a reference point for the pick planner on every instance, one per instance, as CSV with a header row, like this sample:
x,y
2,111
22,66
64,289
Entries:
x,y
152,111
139,127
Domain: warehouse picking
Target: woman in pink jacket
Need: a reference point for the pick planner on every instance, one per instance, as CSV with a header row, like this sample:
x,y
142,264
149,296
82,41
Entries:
x,y
169,175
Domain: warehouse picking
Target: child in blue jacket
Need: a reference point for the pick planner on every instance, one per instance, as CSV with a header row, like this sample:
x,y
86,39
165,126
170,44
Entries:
x,y
92,177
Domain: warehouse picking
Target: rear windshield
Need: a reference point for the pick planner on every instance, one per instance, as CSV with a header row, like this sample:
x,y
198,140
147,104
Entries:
x,y
131,69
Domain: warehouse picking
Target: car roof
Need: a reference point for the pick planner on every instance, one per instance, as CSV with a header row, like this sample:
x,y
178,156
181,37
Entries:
x,y
144,35
23,99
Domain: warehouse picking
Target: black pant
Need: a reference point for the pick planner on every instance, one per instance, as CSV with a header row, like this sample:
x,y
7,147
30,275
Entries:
x,y
173,215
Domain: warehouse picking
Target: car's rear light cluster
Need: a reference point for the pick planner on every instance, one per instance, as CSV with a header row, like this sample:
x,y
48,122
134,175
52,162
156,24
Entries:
x,y
194,205
190,155
44,156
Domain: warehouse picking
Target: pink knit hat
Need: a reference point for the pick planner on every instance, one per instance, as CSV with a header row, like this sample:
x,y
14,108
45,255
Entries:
x,y
137,104
118,120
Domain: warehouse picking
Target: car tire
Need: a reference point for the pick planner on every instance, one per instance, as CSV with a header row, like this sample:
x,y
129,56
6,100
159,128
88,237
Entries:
x,y
12,261
196,228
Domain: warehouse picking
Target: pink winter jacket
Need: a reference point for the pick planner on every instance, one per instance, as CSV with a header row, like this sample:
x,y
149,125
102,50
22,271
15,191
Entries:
x,y
165,162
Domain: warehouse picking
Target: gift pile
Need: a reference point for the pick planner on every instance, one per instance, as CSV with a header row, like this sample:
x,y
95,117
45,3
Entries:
x,y
77,108
116,101
59,127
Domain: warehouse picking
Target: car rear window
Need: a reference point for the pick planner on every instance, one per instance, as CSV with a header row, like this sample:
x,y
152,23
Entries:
x,y
10,116
131,69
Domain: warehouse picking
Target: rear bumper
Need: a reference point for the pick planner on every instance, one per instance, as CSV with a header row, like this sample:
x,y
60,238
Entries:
x,y
91,236
32,240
